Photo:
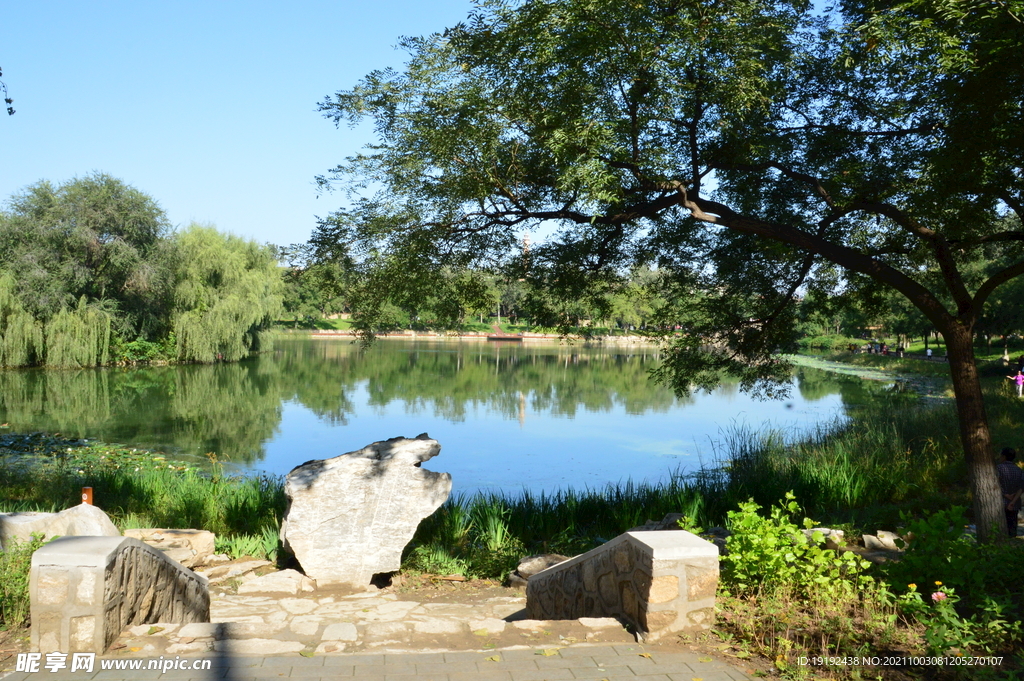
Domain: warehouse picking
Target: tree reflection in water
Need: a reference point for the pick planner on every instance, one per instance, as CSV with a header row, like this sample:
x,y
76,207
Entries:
x,y
233,409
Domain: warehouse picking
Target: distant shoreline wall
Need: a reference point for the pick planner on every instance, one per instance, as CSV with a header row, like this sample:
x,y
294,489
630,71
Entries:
x,y
499,338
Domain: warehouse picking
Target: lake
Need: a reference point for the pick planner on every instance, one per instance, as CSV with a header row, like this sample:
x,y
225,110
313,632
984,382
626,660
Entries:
x,y
508,415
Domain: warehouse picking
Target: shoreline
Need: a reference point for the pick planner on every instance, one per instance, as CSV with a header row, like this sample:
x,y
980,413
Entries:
x,y
478,336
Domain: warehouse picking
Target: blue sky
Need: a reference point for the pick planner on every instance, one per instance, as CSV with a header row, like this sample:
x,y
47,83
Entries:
x,y
209,107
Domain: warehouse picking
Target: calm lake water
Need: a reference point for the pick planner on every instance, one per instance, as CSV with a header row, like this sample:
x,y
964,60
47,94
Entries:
x,y
508,416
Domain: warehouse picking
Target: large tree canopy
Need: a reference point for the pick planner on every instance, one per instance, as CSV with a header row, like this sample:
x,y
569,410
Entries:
x,y
93,236
748,149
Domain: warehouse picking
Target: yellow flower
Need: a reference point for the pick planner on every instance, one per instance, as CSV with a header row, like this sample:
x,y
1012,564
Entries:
x,y
911,586
938,583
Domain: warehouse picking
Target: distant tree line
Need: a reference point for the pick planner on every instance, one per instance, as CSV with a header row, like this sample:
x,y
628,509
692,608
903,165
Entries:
x,y
91,273
318,288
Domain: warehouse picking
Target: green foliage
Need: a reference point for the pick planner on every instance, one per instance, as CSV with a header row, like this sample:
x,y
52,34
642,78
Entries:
x,y
91,267
766,103
78,338
788,596
226,293
893,451
766,553
139,350
264,546
21,335
436,559
93,236
15,562
947,632
835,343
311,290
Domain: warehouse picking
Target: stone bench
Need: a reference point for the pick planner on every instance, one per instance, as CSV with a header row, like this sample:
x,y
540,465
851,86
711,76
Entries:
x,y
86,590
658,582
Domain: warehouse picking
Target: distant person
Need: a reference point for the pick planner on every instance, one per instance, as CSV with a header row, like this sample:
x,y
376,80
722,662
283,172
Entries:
x,y
1019,380
1011,482
928,353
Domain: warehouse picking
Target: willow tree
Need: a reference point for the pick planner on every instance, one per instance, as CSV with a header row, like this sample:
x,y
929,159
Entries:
x,y
78,338
751,149
226,292
72,338
21,334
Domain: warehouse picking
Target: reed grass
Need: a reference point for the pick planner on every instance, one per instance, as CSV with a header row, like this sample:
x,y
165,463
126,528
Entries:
x,y
895,456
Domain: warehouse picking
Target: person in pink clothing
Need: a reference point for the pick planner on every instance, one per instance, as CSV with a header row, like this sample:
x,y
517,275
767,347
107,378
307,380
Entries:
x,y
1019,380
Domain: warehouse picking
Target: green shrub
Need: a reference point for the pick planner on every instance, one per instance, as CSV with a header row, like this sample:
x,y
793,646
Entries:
x,y
142,350
828,342
15,563
786,596
767,553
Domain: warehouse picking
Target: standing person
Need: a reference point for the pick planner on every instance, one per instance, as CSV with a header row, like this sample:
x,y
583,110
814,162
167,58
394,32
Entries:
x,y
1011,481
1019,380
928,352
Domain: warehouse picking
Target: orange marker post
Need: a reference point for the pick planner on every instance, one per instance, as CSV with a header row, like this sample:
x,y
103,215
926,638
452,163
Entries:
x,y
87,495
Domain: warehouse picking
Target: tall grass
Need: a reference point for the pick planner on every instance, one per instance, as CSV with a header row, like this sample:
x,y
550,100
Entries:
x,y
890,456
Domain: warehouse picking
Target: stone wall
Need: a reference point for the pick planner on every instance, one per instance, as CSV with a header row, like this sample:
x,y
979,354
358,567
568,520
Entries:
x,y
86,590
657,582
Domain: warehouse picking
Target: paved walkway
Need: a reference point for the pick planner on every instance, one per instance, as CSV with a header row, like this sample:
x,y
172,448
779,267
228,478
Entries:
x,y
591,662
277,626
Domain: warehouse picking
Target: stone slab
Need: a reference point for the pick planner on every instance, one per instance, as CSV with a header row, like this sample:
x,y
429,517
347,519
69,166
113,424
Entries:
x,y
286,581
188,547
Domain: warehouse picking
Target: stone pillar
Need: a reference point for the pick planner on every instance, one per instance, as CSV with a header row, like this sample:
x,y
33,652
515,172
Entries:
x,y
86,590
658,582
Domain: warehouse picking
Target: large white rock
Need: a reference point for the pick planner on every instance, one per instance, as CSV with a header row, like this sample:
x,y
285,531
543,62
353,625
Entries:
x,y
84,520
350,517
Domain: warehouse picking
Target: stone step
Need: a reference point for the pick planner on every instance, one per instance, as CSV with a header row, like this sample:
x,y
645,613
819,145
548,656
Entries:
x,y
273,625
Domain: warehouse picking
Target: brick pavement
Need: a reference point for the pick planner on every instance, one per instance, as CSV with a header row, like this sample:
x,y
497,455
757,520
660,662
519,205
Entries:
x,y
585,662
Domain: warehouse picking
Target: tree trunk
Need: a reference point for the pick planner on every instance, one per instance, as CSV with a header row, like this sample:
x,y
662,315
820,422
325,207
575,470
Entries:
x,y
974,434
